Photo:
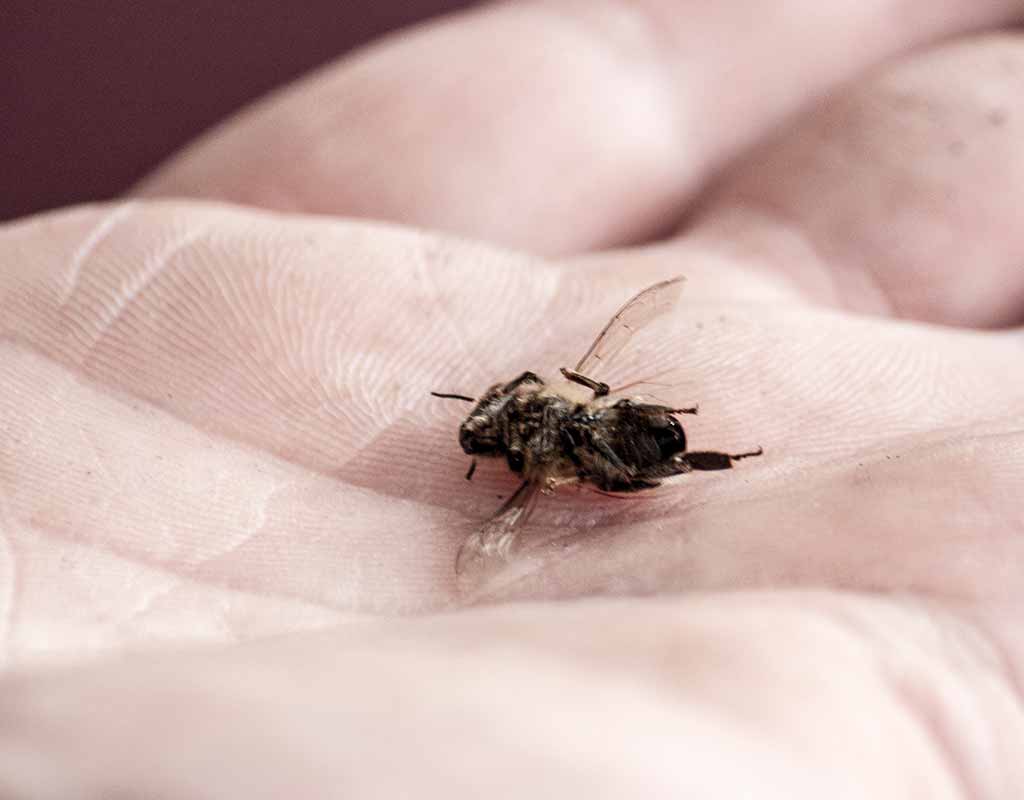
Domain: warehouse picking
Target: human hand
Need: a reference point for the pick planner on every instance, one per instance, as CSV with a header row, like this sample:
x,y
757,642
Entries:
x,y
219,428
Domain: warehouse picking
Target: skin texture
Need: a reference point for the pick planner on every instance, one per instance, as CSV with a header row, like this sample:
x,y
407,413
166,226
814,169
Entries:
x,y
217,446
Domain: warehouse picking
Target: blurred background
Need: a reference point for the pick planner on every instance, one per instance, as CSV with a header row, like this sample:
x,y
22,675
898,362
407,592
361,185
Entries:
x,y
94,95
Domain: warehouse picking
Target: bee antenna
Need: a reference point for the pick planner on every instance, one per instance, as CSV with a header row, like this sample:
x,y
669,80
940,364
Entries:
x,y
446,396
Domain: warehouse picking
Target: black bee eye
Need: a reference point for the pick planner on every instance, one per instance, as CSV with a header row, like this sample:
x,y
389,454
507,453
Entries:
x,y
515,460
671,438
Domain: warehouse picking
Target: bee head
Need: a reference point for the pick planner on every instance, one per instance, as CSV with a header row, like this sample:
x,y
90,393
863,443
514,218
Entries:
x,y
478,435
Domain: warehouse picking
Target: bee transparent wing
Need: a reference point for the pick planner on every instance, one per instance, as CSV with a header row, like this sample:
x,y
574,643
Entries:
x,y
496,537
652,302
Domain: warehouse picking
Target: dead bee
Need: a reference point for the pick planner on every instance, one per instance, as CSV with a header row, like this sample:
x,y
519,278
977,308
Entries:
x,y
576,431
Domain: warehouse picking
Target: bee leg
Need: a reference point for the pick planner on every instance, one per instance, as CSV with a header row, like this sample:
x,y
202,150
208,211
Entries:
x,y
607,471
708,460
597,387
605,450
551,484
526,377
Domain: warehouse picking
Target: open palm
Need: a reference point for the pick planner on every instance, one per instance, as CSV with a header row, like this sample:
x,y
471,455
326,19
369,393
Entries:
x,y
216,425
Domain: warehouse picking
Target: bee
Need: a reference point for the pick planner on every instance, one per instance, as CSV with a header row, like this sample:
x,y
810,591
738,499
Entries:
x,y
578,431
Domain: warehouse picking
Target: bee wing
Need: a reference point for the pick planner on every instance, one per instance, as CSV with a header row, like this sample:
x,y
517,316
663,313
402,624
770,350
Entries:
x,y
652,302
496,537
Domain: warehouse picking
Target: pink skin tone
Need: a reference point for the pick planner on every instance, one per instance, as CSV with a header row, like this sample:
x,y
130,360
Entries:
x,y
230,508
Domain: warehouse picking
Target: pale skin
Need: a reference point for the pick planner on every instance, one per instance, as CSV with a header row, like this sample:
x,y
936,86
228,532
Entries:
x,y
215,424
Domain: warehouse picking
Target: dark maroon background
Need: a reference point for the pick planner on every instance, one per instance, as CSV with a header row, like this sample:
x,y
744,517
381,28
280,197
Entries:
x,y
95,94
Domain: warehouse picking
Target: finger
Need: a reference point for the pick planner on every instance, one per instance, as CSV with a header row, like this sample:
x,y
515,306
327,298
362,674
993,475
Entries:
x,y
220,397
641,698
900,197
236,408
935,517
881,468
553,127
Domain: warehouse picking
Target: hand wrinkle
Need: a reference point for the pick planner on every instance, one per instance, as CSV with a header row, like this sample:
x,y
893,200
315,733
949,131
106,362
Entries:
x,y
93,239
182,573
132,288
91,381
425,276
9,589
